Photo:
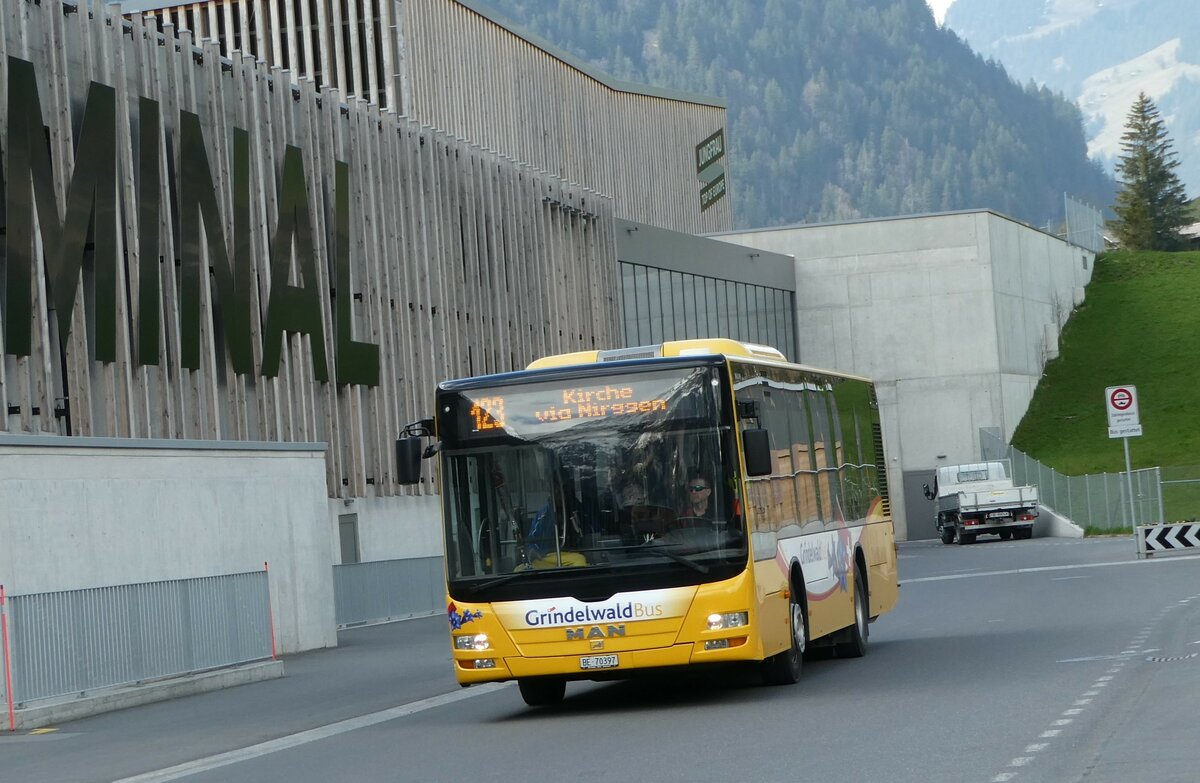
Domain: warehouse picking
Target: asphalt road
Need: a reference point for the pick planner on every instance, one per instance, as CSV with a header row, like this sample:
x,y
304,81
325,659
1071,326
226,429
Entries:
x,y
1049,660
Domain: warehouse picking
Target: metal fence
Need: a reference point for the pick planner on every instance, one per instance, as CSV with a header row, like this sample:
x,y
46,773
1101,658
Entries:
x,y
384,590
1096,500
76,641
1084,224
1181,493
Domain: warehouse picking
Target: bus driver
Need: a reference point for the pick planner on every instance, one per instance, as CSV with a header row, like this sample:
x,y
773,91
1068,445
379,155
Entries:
x,y
699,504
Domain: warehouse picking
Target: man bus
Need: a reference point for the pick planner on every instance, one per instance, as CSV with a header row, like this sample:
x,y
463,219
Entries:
x,y
570,551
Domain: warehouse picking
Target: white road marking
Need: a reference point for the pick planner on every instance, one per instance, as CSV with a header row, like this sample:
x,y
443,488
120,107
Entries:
x,y
1089,658
1048,568
1081,703
311,735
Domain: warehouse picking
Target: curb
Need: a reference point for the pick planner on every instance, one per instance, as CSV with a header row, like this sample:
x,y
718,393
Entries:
x,y
112,699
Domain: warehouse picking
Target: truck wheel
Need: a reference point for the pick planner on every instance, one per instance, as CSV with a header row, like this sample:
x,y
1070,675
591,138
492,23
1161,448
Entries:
x,y
966,538
542,692
784,668
947,535
1005,535
855,645
1024,533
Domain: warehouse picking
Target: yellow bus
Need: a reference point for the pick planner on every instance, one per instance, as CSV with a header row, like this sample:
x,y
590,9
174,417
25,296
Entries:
x,y
693,503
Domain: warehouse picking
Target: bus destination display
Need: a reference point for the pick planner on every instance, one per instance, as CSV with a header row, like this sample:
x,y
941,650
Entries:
x,y
537,409
487,413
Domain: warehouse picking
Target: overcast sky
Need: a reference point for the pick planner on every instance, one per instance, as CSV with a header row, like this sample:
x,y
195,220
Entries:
x,y
939,8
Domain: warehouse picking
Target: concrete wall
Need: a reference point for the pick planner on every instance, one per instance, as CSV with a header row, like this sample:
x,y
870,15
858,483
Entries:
x,y
950,314
89,512
391,528
407,529
1038,281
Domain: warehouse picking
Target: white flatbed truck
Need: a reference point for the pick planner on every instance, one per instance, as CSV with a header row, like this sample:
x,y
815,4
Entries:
x,y
980,497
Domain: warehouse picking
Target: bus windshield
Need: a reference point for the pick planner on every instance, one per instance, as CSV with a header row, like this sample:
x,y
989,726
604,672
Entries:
x,y
590,485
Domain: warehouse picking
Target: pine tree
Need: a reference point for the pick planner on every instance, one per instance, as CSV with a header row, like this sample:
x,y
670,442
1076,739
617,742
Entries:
x,y
1151,205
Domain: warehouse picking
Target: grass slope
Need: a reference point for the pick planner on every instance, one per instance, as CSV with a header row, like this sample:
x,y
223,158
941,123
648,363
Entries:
x,y
1140,324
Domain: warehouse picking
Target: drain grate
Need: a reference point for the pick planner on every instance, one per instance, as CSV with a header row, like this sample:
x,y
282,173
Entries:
x,y
1170,659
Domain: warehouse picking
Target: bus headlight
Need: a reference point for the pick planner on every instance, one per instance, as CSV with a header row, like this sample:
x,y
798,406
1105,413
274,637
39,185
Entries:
x,y
472,641
725,620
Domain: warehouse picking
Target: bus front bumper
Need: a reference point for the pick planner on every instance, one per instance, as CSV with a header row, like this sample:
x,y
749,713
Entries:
x,y
573,666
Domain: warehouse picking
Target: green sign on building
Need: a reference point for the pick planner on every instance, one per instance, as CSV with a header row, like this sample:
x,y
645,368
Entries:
x,y
711,175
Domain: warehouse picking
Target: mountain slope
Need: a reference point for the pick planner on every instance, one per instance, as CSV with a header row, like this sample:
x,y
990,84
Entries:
x,y
1100,54
841,109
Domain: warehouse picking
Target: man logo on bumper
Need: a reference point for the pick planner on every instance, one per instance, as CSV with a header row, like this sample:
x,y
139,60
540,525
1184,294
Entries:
x,y
595,632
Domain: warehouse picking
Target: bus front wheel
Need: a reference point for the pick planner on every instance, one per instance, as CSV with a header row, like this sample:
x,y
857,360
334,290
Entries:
x,y
784,668
542,692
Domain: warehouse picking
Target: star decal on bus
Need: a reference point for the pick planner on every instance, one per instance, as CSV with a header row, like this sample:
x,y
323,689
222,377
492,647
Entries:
x,y
459,619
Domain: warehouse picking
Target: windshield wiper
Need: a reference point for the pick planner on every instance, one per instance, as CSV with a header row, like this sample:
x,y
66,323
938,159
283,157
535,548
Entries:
x,y
657,549
516,574
502,579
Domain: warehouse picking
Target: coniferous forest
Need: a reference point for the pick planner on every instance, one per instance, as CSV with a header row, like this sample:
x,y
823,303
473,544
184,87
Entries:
x,y
841,109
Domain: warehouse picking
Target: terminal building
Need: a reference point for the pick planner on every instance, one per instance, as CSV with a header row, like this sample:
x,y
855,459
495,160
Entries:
x,y
252,248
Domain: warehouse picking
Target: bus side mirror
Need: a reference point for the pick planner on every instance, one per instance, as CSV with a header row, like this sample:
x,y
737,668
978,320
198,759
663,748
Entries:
x,y
408,460
756,445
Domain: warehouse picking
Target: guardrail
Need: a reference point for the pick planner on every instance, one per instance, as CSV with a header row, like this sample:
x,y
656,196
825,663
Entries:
x,y
383,590
73,642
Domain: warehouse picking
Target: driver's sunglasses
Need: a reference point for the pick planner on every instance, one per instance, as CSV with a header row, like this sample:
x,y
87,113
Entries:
x,y
697,488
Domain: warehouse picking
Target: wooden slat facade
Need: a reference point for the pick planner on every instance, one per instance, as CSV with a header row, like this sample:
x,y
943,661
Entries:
x,y
451,65
462,262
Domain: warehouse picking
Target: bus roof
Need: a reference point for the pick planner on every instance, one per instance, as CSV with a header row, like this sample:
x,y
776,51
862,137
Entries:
x,y
718,346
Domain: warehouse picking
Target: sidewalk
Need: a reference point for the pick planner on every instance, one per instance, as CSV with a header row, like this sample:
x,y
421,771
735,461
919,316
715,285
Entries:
x,y
373,668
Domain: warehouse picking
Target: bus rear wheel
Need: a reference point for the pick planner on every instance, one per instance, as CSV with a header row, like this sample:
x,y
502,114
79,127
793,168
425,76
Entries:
x,y
784,668
542,692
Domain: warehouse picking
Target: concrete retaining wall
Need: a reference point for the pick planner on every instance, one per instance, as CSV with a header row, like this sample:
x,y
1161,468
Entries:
x,y
88,512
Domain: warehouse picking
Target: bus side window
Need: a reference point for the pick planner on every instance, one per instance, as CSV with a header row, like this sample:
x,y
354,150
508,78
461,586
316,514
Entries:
x,y
799,477
781,501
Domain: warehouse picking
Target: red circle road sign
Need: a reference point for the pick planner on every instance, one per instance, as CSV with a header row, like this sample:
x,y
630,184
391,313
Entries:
x,y
1121,399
